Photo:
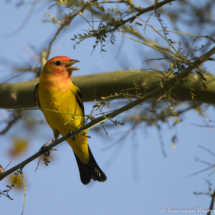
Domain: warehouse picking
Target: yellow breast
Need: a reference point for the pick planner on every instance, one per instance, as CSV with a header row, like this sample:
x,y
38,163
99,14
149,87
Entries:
x,y
59,105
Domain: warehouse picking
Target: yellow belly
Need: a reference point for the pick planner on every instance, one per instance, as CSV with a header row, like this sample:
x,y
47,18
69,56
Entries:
x,y
63,114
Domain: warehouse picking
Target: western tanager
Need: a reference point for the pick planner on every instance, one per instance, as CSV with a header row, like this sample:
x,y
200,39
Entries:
x,y
61,103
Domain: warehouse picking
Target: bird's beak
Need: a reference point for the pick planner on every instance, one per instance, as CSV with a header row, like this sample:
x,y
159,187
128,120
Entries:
x,y
69,65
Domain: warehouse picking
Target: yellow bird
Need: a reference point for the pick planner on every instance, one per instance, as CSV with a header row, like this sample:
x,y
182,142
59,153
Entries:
x,y
57,95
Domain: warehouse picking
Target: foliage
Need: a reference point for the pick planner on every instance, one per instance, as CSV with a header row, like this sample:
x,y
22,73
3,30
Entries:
x,y
108,23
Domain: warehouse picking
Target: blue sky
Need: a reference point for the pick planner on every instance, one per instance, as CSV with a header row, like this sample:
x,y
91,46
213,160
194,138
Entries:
x,y
156,182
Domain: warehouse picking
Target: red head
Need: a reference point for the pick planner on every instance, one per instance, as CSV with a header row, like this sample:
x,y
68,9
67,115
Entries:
x,y
60,66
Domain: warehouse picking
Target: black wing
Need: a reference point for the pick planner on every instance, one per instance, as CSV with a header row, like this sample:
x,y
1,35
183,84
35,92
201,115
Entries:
x,y
79,98
36,95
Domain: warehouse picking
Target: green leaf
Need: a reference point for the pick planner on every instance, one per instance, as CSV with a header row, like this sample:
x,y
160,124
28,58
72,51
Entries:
x,y
9,197
176,119
171,66
161,83
102,8
199,73
137,23
172,108
131,69
203,78
204,85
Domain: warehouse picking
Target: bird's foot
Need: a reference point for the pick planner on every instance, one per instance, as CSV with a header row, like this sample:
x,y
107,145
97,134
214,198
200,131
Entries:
x,y
71,133
44,150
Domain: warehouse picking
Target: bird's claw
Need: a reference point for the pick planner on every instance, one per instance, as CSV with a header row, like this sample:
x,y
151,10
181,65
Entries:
x,y
44,150
71,133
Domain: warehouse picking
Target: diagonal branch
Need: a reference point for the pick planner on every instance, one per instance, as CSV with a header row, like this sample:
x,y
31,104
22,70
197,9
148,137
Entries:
x,y
9,125
111,115
145,10
131,19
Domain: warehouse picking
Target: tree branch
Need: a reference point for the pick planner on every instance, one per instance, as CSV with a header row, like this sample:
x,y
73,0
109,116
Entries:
x,y
122,22
21,95
145,10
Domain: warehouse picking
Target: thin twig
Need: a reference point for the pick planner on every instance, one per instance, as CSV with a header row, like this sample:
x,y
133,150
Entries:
x,y
9,125
131,38
38,164
8,164
207,126
158,5
212,203
23,181
66,23
208,150
178,53
164,58
30,53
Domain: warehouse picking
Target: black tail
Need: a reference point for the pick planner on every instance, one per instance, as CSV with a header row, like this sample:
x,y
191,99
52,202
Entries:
x,y
90,170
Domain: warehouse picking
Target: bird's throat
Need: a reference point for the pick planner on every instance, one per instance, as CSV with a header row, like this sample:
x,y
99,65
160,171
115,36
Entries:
x,y
55,83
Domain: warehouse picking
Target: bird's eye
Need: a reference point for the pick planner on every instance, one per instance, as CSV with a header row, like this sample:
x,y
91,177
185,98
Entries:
x,y
58,63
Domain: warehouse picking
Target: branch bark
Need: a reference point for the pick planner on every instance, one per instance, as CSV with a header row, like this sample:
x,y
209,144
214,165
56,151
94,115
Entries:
x,y
21,95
